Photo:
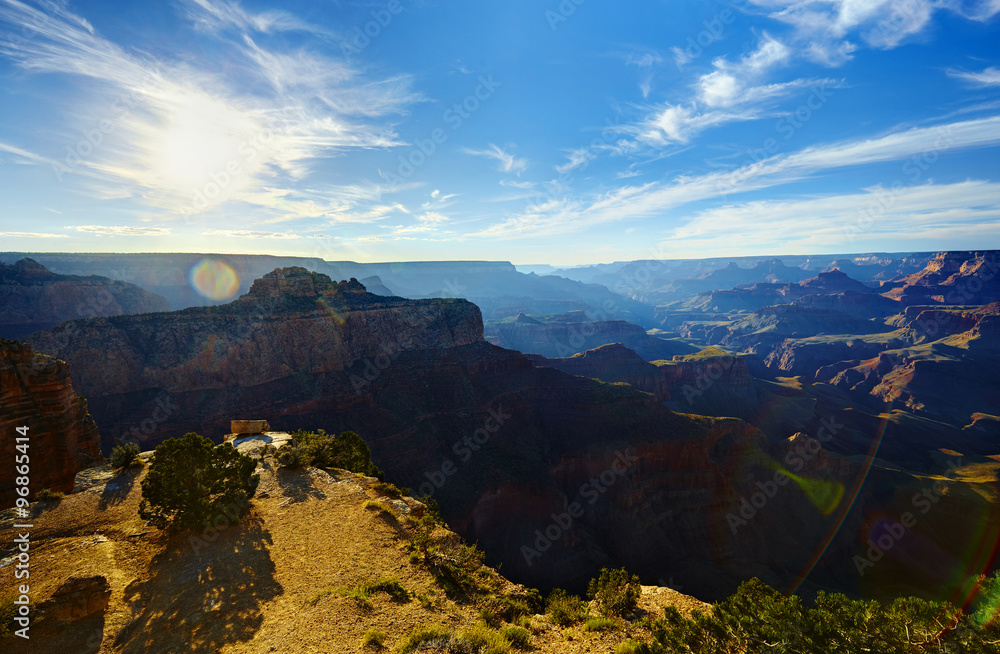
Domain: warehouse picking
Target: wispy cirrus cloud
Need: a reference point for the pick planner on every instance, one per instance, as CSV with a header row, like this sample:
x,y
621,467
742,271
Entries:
x,y
832,222
215,15
565,215
830,31
121,230
31,235
506,162
733,91
189,139
986,77
254,234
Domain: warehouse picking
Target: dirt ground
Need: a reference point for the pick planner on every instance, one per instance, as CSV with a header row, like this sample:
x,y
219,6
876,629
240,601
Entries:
x,y
267,584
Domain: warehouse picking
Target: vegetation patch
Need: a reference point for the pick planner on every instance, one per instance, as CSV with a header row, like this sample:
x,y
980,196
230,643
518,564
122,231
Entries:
x,y
48,495
615,592
374,639
600,624
193,483
564,609
348,451
424,638
125,456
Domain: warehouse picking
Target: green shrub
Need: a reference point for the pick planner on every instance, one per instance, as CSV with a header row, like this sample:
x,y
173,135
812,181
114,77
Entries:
x,y
48,495
424,637
564,609
361,593
615,592
433,509
288,456
480,640
519,637
373,638
599,624
387,490
758,618
381,508
347,451
192,483
124,456
632,647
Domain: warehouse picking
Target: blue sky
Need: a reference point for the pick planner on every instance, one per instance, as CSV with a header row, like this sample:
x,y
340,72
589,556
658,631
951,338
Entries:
x,y
569,132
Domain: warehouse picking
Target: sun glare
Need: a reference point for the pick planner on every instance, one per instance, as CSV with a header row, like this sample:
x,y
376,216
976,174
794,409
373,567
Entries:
x,y
200,149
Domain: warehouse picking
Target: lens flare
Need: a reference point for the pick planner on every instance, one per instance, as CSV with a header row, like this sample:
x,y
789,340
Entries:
x,y
824,494
214,279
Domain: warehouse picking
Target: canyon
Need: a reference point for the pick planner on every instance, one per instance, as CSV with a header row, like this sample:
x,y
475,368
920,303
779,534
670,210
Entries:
x,y
666,466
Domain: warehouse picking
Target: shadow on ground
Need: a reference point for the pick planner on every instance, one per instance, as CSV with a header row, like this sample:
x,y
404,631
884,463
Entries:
x,y
205,592
118,487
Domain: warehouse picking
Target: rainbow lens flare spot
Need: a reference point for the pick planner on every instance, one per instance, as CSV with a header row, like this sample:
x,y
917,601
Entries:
x,y
214,279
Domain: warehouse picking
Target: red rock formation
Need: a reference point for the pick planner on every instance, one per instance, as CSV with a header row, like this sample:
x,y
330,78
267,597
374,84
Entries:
x,y
35,392
951,278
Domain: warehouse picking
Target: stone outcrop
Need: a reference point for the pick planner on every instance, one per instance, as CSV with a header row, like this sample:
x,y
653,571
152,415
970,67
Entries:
x,y
291,323
35,392
680,378
573,334
32,298
951,278
77,598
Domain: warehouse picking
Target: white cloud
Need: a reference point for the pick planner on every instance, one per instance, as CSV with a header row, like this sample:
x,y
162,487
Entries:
x,y
734,91
879,214
31,235
652,199
214,15
575,159
432,218
179,132
826,30
987,77
249,233
678,124
733,83
121,230
508,163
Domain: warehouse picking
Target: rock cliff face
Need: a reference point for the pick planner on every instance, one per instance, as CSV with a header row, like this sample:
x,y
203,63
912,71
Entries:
x,y
291,323
572,333
32,298
554,475
35,392
169,274
502,444
951,278
680,378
